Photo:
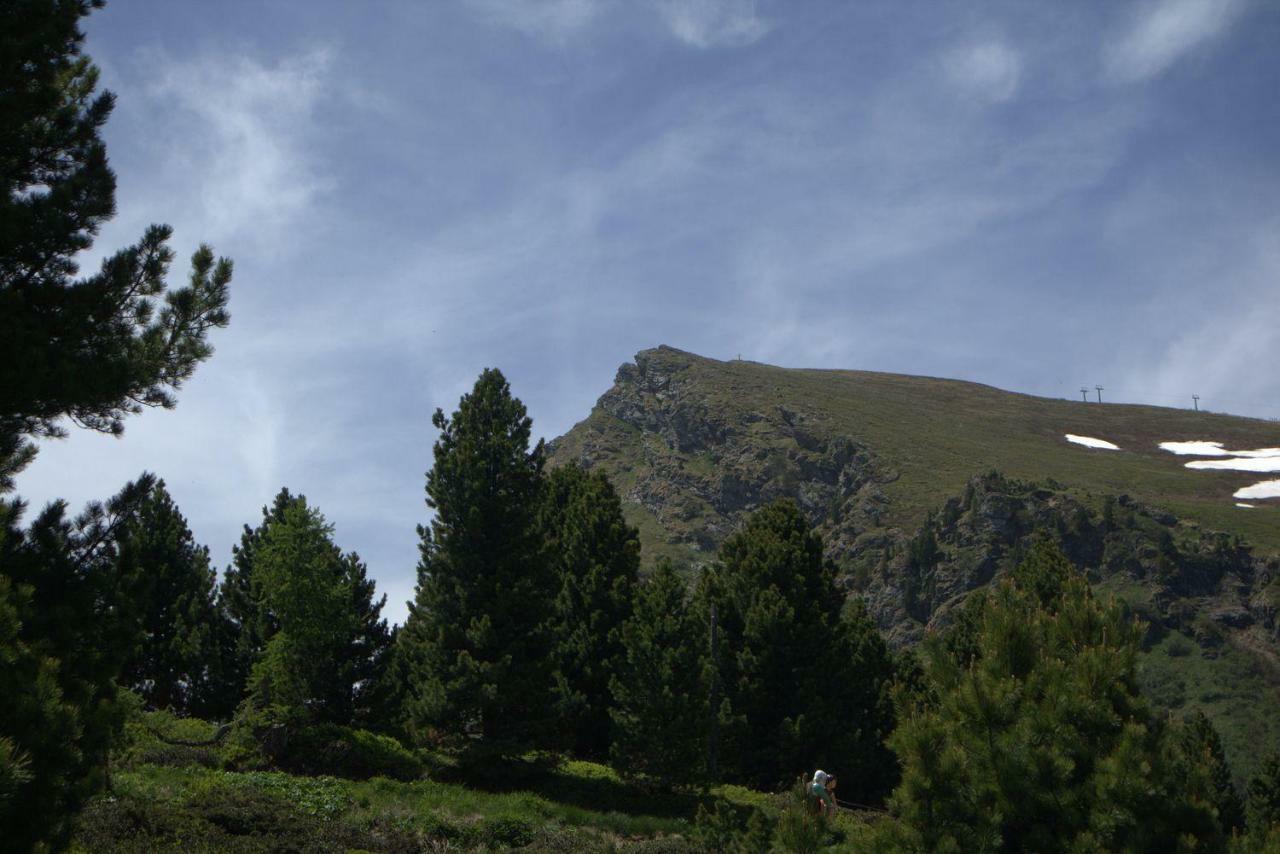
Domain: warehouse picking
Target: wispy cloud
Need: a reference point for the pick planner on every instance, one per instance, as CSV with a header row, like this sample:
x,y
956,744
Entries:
x,y
232,137
713,23
554,21
1165,31
989,71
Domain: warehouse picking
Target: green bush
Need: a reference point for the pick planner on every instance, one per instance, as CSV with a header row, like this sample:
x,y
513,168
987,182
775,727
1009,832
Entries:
x,y
354,754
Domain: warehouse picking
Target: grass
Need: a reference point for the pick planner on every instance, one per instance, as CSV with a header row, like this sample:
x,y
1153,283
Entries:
x,y
934,434
575,806
1225,683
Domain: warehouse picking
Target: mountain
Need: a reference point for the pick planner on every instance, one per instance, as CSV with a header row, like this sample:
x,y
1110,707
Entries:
x,y
926,489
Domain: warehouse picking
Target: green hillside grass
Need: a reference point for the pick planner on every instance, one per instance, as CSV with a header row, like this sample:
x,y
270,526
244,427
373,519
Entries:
x,y
580,806
937,433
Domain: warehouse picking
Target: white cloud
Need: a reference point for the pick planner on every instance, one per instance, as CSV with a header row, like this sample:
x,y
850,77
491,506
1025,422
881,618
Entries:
x,y
989,71
233,137
1164,32
550,20
713,23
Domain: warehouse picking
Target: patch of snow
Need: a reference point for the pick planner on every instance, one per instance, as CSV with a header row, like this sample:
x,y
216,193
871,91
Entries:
x,y
1090,442
1197,449
1267,464
1265,489
1242,504
1261,452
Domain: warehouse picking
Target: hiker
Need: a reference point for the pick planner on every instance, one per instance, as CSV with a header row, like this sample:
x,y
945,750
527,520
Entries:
x,y
820,789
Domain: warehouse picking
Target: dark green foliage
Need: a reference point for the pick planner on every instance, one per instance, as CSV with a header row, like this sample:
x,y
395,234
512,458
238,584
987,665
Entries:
x,y
477,643
66,629
596,556
802,686
660,711
1203,750
182,661
1263,797
1041,740
99,348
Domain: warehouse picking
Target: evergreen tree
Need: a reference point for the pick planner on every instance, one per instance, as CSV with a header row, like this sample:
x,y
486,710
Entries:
x,y
67,626
1263,799
1203,750
367,651
183,654
323,638
252,625
98,348
802,686
596,556
1041,740
659,701
477,643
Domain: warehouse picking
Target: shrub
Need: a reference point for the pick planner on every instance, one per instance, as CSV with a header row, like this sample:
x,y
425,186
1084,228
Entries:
x,y
355,754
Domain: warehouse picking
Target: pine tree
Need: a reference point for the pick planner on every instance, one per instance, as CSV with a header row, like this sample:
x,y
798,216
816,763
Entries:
x,y
477,644
1263,799
98,348
183,654
1203,750
659,700
1038,738
67,626
300,584
803,686
299,576
596,556
252,625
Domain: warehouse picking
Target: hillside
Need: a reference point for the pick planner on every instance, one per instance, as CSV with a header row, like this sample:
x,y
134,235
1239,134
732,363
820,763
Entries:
x,y
926,489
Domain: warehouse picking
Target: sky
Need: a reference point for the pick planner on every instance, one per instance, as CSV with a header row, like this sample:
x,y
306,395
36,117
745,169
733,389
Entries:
x,y
1033,195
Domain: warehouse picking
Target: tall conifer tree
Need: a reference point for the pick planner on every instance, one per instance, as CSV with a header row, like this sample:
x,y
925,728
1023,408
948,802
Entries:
x,y
477,643
596,556
67,627
659,699
183,657
98,348
800,685
251,623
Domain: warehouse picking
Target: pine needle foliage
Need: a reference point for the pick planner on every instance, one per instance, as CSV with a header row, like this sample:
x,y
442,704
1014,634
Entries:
x,y
659,707
595,555
801,682
477,644
1038,738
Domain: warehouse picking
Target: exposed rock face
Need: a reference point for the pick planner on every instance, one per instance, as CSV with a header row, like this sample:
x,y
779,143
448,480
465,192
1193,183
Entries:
x,y
702,467
690,453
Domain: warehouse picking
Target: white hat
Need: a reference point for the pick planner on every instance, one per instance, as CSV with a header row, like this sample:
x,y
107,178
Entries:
x,y
821,777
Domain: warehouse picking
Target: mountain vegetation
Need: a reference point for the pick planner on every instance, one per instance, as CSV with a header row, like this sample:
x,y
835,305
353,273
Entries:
x,y
728,576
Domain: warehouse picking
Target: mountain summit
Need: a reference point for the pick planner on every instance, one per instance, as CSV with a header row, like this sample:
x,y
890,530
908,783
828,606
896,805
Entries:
x,y
926,489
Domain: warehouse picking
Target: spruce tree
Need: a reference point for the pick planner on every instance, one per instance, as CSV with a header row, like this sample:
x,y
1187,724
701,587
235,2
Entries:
x,y
659,707
183,654
477,645
1038,738
596,556
93,349
802,686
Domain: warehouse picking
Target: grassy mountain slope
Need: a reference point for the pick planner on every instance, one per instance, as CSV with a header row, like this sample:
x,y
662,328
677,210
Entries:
x,y
885,465
689,421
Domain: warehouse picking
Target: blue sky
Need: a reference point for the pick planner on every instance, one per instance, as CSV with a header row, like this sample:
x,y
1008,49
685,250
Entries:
x,y
1031,195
